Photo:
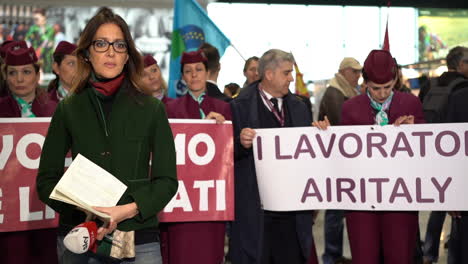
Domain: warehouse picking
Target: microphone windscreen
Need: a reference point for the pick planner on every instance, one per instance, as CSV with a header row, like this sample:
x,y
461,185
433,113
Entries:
x,y
81,238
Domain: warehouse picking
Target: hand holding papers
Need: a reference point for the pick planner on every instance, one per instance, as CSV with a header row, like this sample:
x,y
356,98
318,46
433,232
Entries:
x,y
85,185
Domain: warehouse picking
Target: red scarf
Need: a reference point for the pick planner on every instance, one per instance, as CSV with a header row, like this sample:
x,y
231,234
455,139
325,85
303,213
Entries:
x,y
108,88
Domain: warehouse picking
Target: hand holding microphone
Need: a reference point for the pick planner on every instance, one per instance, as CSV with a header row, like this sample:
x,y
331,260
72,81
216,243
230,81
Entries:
x,y
82,238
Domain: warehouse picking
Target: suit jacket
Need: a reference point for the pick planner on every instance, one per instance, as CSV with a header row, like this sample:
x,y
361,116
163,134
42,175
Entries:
x,y
186,107
247,229
42,106
213,91
358,110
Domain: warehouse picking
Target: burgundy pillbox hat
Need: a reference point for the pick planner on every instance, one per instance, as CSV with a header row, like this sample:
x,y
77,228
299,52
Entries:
x,y
193,57
148,60
65,48
12,45
380,66
20,57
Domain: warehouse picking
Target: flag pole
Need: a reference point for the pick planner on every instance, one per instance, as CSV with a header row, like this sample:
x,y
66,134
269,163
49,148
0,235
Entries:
x,y
238,52
386,42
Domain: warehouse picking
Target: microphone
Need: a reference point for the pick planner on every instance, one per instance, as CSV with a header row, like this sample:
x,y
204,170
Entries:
x,y
82,238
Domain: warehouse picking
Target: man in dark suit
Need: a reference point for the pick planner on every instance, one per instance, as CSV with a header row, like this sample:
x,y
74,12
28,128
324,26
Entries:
x,y
457,112
214,67
257,235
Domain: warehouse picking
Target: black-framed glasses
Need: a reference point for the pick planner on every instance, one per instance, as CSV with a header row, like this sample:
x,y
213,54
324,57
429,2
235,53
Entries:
x,y
101,45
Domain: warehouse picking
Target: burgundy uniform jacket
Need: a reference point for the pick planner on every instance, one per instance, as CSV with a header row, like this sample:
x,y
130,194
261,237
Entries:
x,y
358,110
186,107
42,106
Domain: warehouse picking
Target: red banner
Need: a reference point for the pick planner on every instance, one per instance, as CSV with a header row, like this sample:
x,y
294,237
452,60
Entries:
x,y
204,170
20,144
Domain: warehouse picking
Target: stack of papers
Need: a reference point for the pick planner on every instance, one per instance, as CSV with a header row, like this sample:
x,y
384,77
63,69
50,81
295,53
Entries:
x,y
85,184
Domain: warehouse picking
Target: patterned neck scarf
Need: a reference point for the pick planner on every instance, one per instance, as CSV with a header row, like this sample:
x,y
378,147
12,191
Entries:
x,y
61,92
381,118
199,100
26,108
107,87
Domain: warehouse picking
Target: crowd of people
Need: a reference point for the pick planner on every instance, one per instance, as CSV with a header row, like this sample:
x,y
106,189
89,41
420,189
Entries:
x,y
109,103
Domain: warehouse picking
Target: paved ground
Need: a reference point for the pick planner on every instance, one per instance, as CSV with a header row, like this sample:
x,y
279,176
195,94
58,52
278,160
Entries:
x,y
423,216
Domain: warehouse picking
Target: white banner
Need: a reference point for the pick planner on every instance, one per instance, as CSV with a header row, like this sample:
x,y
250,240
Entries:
x,y
411,167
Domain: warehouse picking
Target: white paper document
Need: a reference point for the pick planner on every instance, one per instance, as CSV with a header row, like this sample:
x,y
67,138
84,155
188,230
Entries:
x,y
85,184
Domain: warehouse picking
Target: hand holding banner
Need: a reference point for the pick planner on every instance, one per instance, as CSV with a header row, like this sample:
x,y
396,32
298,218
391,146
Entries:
x,y
204,169
417,167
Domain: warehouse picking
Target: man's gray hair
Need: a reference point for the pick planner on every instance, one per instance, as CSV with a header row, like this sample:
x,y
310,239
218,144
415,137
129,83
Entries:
x,y
271,59
454,57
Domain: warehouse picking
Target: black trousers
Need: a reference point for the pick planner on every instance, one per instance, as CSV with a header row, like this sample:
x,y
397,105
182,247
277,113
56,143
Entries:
x,y
458,243
280,241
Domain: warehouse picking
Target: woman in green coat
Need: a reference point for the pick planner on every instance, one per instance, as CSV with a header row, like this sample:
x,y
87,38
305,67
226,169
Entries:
x,y
112,121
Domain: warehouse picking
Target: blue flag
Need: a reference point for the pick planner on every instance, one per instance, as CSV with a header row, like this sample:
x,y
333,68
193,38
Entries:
x,y
192,27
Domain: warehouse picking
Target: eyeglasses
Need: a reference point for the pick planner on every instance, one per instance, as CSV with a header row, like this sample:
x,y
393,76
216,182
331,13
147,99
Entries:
x,y
101,45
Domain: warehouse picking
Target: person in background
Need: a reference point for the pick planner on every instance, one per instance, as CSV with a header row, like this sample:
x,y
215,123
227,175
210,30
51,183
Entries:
x,y
64,67
26,99
195,242
341,88
41,37
385,236
111,119
251,71
232,90
457,64
457,112
212,56
7,45
400,85
153,79
59,36
257,235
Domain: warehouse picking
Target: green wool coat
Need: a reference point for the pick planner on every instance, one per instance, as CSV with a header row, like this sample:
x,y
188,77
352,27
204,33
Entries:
x,y
135,133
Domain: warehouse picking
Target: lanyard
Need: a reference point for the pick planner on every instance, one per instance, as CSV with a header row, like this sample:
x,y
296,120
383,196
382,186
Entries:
x,y
279,116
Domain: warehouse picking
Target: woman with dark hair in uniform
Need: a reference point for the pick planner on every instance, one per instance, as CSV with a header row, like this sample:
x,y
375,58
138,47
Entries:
x,y
383,236
25,99
178,239
64,68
